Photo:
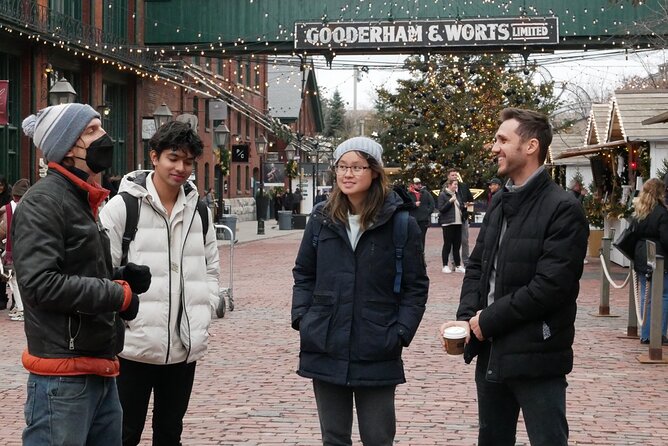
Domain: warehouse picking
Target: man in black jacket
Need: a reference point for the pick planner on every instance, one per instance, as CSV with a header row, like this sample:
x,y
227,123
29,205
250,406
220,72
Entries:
x,y
424,206
519,293
71,304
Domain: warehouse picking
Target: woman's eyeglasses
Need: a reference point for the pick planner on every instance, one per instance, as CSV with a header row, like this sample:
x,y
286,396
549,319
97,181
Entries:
x,y
340,169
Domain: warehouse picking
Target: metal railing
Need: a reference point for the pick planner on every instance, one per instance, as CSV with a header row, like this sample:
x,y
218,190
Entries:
x,y
56,27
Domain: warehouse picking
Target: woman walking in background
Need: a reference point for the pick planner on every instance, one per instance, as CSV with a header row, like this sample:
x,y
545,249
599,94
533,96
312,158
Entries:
x,y
652,217
450,218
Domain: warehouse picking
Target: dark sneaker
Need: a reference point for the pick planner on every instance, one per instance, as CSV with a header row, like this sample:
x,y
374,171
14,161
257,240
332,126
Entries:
x,y
644,341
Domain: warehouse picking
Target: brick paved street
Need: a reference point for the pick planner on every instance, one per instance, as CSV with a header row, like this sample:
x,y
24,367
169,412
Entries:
x,y
246,391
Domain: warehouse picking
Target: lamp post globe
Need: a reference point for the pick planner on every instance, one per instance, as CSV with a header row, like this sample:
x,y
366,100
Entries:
x,y
62,92
162,115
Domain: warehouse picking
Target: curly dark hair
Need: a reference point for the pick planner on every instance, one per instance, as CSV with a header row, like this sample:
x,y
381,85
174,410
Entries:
x,y
176,135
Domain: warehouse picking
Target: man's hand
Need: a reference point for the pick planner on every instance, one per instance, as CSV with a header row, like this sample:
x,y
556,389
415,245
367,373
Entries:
x,y
138,277
463,324
475,326
131,311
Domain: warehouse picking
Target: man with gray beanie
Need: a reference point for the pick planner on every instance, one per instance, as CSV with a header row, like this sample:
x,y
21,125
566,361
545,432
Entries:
x,y
71,302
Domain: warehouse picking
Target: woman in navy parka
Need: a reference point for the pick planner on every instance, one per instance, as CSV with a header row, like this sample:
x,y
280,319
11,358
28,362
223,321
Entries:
x,y
352,325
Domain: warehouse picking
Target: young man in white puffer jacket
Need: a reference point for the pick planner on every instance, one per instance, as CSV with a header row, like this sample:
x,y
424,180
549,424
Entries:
x,y
170,333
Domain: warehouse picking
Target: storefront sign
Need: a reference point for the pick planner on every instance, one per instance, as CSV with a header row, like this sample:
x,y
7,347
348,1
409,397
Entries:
x,y
4,91
416,34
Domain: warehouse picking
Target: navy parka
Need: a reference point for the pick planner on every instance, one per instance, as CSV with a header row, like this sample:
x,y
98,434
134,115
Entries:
x,y
352,325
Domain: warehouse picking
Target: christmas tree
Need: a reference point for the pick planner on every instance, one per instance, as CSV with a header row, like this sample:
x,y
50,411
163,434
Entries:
x,y
445,116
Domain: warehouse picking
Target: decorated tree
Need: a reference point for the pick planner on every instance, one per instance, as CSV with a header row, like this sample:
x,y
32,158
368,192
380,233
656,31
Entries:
x,y
446,114
336,115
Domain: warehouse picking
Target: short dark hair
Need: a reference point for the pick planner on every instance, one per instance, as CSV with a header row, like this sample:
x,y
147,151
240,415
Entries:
x,y
532,125
176,135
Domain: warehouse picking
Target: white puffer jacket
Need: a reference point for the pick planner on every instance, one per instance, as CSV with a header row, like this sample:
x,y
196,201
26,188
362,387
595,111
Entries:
x,y
184,291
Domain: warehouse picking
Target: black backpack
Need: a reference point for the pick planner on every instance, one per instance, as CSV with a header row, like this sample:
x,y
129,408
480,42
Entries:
x,y
132,218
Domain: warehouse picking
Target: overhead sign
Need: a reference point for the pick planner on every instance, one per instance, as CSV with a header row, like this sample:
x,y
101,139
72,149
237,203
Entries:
x,y
427,33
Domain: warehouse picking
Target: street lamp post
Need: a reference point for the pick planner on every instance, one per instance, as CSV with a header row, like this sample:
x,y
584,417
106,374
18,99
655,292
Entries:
x,y
315,159
290,152
62,92
261,147
221,134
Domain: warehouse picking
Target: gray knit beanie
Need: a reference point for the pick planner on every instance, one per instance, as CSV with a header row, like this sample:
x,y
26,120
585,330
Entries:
x,y
360,144
56,129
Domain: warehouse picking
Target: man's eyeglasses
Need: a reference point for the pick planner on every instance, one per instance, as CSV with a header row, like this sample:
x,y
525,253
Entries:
x,y
340,169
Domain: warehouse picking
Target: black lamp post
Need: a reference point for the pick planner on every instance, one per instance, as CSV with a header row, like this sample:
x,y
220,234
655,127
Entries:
x,y
261,147
314,160
62,92
162,115
290,152
221,134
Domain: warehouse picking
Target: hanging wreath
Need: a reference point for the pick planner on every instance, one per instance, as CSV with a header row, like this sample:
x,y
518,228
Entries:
x,y
292,169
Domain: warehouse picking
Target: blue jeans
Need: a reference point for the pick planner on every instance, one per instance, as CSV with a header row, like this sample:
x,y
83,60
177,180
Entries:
x,y
543,404
644,332
72,410
375,413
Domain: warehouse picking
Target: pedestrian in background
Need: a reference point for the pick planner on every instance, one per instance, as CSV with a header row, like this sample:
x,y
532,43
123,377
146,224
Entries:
x,y
18,190
64,271
352,324
494,185
424,206
171,331
5,198
466,198
450,217
518,298
297,201
652,218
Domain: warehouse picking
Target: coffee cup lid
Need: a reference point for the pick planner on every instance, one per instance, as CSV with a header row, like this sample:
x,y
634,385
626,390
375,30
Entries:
x,y
454,332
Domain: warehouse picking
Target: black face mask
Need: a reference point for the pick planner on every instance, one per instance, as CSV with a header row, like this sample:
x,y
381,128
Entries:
x,y
99,155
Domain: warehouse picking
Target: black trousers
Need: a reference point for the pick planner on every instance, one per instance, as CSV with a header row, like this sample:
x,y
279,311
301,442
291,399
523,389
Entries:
x,y
375,414
452,239
171,385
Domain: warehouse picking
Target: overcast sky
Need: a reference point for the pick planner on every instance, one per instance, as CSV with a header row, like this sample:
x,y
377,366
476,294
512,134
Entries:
x,y
596,72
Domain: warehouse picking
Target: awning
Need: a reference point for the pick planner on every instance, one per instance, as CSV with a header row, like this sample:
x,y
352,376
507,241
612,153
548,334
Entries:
x,y
589,150
663,117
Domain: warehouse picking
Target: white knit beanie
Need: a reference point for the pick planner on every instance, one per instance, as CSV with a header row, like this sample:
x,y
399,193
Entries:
x,y
360,144
56,129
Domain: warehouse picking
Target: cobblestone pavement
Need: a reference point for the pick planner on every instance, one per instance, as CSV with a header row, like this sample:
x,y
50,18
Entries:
x,y
247,393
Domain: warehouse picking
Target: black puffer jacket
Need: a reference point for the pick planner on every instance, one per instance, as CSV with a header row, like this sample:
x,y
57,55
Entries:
x,y
352,325
530,325
63,266
654,227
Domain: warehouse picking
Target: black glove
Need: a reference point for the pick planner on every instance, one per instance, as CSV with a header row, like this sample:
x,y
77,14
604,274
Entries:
x,y
138,277
131,312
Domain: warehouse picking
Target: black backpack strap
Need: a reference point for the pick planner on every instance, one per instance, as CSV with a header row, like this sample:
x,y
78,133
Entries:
x,y
131,219
399,236
203,209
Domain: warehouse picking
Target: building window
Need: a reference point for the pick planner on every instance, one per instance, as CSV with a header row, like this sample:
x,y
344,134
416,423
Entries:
x,y
207,180
249,74
239,124
238,179
196,106
220,66
115,16
207,115
240,72
247,182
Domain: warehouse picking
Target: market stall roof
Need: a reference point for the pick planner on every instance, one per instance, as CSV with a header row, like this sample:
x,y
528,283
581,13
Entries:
x,y
590,150
631,109
597,124
566,139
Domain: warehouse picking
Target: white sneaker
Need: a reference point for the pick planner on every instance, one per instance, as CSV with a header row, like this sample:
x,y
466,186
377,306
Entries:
x,y
446,269
460,269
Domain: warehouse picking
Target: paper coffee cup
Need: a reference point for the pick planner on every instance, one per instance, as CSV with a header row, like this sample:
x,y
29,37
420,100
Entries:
x,y
455,338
